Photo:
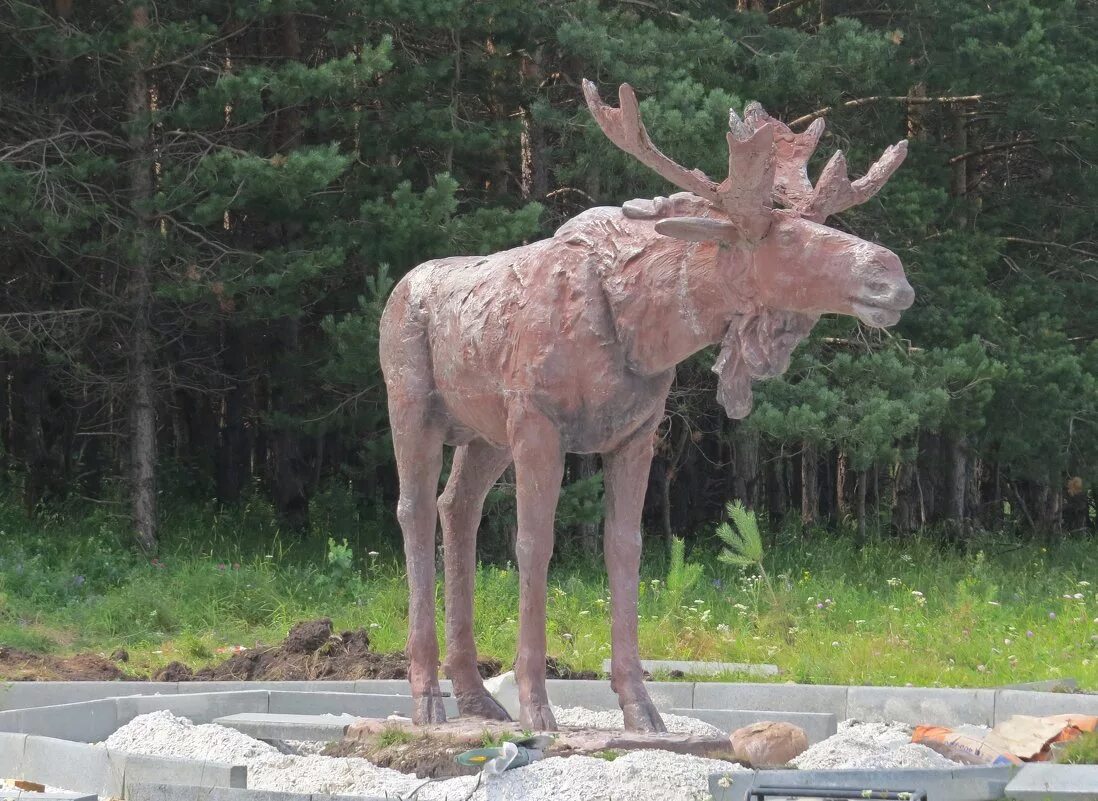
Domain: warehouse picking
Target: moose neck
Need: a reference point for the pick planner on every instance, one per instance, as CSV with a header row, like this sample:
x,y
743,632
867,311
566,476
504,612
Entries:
x,y
677,298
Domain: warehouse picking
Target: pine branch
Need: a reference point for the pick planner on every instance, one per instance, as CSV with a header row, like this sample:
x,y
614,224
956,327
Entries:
x,y
908,99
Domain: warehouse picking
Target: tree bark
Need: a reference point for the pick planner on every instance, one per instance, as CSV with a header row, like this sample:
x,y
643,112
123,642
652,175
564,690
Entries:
x,y
863,480
143,446
958,473
745,465
810,488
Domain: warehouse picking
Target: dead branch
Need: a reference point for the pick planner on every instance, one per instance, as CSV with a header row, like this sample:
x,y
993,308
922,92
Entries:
x,y
911,100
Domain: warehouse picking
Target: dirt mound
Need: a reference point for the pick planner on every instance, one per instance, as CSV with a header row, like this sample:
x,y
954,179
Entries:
x,y
17,665
555,669
310,652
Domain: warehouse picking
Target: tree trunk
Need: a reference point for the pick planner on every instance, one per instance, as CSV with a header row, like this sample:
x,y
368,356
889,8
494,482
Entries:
x,y
745,465
958,481
142,391
863,480
842,507
587,465
810,488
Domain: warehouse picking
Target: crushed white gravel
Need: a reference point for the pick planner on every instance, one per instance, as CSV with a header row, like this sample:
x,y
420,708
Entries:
x,y
870,746
653,775
613,719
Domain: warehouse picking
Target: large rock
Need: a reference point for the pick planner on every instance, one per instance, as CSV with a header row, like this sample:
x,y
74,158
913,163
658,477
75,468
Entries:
x,y
768,743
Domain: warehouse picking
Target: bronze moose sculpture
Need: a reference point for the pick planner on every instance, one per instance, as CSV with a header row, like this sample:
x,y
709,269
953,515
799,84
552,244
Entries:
x,y
570,344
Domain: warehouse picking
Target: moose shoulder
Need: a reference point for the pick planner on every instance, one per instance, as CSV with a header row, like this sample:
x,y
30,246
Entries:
x,y
569,345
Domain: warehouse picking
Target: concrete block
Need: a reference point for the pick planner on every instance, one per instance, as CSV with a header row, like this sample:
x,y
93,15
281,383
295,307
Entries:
x,y
1022,702
1046,686
198,707
386,686
74,766
23,694
171,792
701,668
817,725
825,698
12,745
84,721
958,784
8,794
362,705
187,687
1039,781
915,705
140,768
596,694
395,686
318,728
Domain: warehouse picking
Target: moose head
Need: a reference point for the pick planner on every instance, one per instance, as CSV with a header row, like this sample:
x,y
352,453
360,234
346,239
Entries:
x,y
834,272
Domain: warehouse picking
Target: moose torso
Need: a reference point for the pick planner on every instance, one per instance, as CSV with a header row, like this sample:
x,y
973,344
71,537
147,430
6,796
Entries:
x,y
605,292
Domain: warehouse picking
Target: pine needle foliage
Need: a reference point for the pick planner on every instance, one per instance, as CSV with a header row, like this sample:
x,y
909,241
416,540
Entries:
x,y
743,541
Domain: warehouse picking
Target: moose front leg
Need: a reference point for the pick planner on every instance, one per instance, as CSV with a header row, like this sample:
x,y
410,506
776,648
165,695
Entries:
x,y
539,469
625,472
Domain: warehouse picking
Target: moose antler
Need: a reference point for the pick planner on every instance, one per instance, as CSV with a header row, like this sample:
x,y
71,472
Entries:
x,y
834,191
745,195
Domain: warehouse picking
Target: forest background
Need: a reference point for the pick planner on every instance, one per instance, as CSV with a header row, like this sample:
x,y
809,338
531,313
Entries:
x,y
204,204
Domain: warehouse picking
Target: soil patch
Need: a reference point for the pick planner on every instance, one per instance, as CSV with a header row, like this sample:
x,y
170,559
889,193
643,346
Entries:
x,y
310,652
17,665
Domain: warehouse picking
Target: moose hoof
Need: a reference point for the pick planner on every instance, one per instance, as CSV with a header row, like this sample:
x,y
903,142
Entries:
x,y
642,716
538,717
481,705
428,709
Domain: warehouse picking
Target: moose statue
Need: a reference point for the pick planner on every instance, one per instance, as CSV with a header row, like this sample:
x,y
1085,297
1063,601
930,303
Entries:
x,y
569,345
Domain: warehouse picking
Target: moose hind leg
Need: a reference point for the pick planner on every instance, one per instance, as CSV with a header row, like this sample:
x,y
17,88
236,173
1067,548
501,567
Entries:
x,y
476,468
539,469
625,472
418,446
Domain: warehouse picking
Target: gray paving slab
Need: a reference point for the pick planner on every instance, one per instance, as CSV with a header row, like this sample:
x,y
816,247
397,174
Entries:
x,y
198,707
9,794
1065,685
958,784
74,766
1022,702
12,745
23,694
395,686
187,687
817,725
702,668
318,728
917,705
825,698
363,705
596,694
170,792
84,721
388,686
141,768
1040,781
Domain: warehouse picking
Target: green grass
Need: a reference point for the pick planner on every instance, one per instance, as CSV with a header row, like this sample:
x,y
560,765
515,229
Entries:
x,y
891,612
1081,751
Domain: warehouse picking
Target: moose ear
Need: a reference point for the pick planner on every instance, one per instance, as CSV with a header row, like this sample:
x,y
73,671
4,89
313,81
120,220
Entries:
x,y
698,229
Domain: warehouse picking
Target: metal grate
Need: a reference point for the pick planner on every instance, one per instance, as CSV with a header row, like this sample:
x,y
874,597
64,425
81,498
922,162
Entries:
x,y
762,793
